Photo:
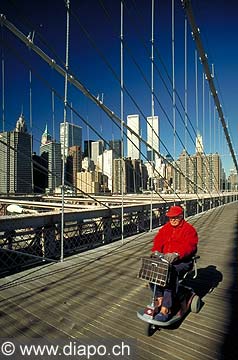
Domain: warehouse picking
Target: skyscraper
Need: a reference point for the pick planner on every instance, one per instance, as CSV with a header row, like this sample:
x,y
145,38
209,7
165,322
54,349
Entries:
x,y
87,148
152,137
40,174
50,151
73,165
16,160
116,146
105,165
124,165
133,142
96,149
186,173
72,134
45,138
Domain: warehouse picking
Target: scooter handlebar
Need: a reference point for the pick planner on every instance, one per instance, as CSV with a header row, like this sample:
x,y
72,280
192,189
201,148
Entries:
x,y
159,255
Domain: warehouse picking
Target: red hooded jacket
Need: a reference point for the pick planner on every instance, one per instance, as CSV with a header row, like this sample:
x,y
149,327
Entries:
x,y
181,239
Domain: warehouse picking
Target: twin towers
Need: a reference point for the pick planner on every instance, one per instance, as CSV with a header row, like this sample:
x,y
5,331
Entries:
x,y
134,142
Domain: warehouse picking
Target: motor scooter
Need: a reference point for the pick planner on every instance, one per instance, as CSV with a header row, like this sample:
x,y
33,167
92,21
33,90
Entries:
x,y
157,270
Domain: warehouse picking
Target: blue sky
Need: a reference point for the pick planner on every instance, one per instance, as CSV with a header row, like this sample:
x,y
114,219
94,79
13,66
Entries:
x,y
94,58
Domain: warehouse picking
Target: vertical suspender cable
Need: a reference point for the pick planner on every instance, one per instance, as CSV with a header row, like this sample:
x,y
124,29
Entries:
x,y
196,89
53,113
185,106
214,133
30,95
3,92
64,140
152,72
53,147
203,107
196,112
30,81
174,104
203,121
103,148
122,133
214,130
210,135
210,121
152,113
219,137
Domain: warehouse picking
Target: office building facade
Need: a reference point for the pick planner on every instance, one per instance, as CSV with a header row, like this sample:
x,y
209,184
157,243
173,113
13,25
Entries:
x,y
116,147
16,160
133,142
87,148
105,164
152,137
89,182
73,165
50,152
70,135
96,149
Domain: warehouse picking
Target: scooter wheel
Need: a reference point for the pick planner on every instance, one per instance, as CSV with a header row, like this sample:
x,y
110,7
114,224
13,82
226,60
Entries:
x,y
195,304
150,330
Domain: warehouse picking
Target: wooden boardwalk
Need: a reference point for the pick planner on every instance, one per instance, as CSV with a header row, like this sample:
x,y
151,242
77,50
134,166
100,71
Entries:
x,y
96,294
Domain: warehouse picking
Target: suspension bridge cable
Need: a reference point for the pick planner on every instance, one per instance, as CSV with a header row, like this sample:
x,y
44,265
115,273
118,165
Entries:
x,y
61,61
71,78
64,139
173,91
85,91
196,34
147,82
181,117
185,102
73,81
3,84
70,107
122,122
163,108
180,101
152,114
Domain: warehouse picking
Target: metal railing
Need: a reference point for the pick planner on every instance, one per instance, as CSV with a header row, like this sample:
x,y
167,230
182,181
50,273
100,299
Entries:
x,y
26,240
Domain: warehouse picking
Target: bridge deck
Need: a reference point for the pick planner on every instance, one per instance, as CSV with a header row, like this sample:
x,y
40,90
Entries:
x,y
96,295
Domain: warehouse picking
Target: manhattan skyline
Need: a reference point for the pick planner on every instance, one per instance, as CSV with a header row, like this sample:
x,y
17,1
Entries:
x,y
94,56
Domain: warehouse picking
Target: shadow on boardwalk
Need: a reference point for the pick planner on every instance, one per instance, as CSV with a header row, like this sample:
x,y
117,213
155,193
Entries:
x,y
206,281
229,350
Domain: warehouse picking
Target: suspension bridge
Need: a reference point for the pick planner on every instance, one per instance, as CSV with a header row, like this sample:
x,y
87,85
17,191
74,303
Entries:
x,y
95,295
135,82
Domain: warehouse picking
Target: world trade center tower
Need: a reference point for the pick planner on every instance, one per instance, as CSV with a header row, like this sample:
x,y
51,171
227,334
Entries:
x,y
153,138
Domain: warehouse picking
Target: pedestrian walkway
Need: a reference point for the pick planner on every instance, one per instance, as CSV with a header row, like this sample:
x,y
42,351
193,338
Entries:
x,y
96,294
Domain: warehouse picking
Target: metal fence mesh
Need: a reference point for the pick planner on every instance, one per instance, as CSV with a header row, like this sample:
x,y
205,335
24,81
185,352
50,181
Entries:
x,y
25,241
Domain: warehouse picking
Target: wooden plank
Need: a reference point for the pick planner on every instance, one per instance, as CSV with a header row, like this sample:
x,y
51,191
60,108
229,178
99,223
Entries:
x,y
96,295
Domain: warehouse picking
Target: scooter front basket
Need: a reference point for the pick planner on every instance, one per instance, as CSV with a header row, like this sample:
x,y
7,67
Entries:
x,y
156,271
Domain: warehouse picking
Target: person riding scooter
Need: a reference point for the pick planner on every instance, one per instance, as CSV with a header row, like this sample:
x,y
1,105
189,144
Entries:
x,y
177,240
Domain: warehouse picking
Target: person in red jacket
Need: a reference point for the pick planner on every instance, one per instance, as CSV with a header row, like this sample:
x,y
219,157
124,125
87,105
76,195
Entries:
x,y
177,240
